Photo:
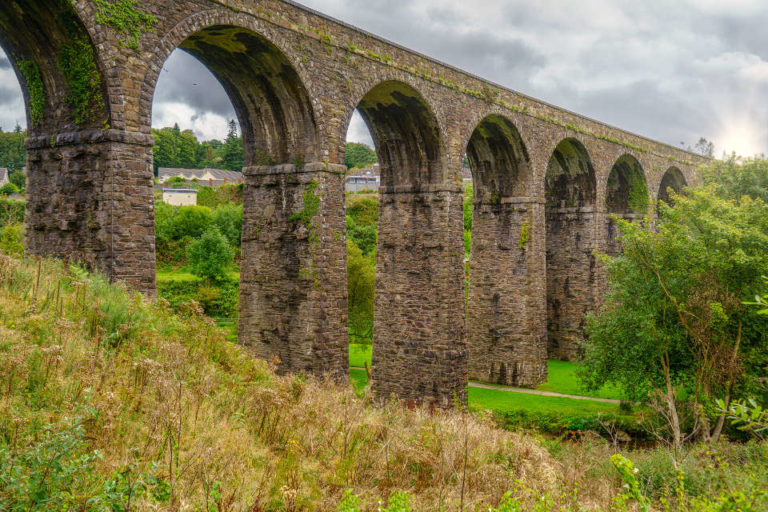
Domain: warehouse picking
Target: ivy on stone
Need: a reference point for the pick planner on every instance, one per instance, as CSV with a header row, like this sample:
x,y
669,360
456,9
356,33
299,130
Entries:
x,y
125,19
35,90
77,62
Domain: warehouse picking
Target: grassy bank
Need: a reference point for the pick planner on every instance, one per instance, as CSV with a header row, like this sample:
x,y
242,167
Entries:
x,y
110,402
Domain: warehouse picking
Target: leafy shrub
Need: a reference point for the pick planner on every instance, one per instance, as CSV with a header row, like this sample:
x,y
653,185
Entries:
x,y
218,300
18,178
12,239
210,257
11,211
8,189
228,218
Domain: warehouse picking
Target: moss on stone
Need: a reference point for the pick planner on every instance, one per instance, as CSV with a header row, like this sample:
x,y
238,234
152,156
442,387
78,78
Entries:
x,y
311,206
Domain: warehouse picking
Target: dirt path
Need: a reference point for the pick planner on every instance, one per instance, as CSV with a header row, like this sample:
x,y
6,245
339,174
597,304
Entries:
x,y
527,391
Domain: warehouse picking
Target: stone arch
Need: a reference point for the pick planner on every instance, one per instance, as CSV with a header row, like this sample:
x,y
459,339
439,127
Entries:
x,y
272,103
570,179
627,188
58,66
406,133
570,195
503,346
672,179
499,160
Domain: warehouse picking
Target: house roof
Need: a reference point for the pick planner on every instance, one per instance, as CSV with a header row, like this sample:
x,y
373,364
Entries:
x,y
217,174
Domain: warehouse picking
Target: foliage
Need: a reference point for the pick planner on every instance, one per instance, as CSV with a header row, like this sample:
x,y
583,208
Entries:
x,y
13,155
175,148
310,208
125,19
43,474
233,152
8,189
673,323
228,193
18,178
35,90
218,299
77,62
12,239
747,416
11,211
210,257
735,177
362,223
639,199
361,280
359,156
228,218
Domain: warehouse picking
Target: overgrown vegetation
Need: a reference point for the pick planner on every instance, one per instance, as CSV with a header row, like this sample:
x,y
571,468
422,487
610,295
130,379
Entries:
x,y
674,328
35,90
125,19
111,402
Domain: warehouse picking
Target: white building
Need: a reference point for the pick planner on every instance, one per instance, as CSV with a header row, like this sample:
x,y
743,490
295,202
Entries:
x,y
180,196
3,176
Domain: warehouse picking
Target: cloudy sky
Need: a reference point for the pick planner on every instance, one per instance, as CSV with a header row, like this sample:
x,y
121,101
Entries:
x,y
673,71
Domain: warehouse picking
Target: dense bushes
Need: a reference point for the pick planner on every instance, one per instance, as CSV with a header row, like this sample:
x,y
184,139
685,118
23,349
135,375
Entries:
x,y
218,300
11,211
210,256
176,227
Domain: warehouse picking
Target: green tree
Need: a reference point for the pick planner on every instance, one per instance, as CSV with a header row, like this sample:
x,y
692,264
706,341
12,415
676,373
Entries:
x,y
233,154
674,324
735,177
361,279
359,156
18,178
228,218
210,256
13,155
362,223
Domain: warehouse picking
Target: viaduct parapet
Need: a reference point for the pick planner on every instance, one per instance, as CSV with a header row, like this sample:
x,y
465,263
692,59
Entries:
x,y
545,182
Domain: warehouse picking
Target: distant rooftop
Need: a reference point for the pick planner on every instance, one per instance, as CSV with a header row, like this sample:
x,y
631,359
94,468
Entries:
x,y
166,173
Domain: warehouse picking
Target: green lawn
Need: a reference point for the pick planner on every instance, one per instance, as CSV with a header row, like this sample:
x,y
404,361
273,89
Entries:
x,y
359,355
506,401
562,375
562,379
181,274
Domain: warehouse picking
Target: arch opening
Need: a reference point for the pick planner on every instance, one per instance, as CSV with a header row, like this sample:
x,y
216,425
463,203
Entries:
x,y
13,131
57,65
406,135
627,190
673,179
275,114
570,196
501,348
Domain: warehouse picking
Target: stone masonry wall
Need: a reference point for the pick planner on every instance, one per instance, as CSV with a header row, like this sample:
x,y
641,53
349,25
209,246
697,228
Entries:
x,y
504,345
293,279
419,346
571,267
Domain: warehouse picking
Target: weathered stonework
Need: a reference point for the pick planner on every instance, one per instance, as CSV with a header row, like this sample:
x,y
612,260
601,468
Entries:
x,y
293,279
295,77
419,348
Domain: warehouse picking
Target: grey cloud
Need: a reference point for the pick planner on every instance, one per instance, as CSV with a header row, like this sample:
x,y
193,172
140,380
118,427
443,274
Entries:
x,y
4,62
185,80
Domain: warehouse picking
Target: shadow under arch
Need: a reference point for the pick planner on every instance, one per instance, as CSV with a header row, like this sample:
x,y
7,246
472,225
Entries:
x,y
627,189
419,348
273,107
406,134
570,195
57,65
503,348
672,179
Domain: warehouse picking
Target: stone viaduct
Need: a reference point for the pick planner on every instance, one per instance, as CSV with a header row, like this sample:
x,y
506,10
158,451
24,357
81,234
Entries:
x,y
546,180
